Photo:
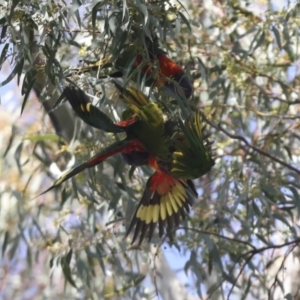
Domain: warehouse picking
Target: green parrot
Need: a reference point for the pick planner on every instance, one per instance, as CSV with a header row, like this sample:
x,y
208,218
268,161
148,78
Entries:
x,y
176,151
144,128
146,59
191,159
169,191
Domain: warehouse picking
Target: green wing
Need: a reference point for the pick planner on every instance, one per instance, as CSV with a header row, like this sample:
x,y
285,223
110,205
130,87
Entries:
x,y
192,157
131,95
89,113
150,130
117,147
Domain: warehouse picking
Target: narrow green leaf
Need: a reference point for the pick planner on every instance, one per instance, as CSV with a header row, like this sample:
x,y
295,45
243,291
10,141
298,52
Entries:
x,y
29,76
58,102
296,198
29,88
112,22
3,31
263,239
210,262
271,262
247,289
11,138
131,172
177,28
69,256
187,266
281,218
259,41
231,279
184,19
124,2
29,259
3,54
277,36
143,9
20,69
5,242
46,137
65,264
2,21
17,157
13,72
14,247
51,262
64,197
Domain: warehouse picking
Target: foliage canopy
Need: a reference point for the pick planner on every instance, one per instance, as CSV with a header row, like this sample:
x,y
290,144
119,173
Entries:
x,y
243,231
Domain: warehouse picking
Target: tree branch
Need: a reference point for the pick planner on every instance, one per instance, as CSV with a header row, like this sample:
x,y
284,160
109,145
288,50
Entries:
x,y
238,137
260,151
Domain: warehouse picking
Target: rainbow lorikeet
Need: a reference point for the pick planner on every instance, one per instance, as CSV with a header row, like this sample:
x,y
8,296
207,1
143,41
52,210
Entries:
x,y
176,156
159,69
169,191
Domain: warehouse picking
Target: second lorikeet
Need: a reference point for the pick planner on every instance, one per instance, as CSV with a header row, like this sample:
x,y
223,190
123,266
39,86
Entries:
x,y
160,70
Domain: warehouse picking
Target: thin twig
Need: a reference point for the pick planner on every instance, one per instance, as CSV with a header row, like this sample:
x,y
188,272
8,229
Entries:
x,y
80,30
280,268
239,274
254,111
269,94
239,137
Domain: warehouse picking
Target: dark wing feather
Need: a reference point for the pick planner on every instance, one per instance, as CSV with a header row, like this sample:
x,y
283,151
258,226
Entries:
x,y
165,199
113,149
192,157
89,113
